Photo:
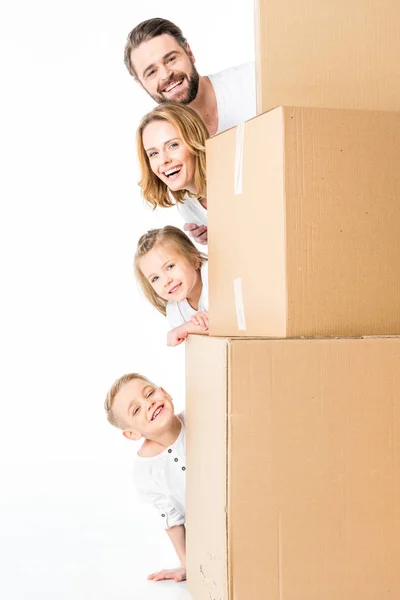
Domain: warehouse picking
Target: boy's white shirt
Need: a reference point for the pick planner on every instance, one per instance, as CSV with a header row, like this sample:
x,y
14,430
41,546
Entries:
x,y
181,312
161,481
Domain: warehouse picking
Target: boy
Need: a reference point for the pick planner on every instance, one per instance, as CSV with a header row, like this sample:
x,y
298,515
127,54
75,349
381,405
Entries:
x,y
141,409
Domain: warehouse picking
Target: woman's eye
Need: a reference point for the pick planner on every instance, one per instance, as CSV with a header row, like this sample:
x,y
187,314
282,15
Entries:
x,y
152,154
174,145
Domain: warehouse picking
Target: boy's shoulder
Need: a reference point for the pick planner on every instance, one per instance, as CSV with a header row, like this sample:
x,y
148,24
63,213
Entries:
x,y
149,449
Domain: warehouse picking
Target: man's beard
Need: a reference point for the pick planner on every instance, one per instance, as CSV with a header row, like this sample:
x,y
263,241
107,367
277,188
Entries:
x,y
190,93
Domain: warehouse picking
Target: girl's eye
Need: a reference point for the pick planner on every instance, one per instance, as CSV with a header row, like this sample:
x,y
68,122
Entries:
x,y
154,279
170,267
136,411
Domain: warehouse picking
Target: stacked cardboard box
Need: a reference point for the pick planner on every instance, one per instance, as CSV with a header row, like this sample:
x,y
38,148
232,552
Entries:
x,y
293,443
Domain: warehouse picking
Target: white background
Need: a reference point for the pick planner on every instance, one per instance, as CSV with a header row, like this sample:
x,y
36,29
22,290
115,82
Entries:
x,y
72,318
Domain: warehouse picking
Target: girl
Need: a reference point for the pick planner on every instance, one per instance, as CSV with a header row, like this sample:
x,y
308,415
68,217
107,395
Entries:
x,y
173,275
172,155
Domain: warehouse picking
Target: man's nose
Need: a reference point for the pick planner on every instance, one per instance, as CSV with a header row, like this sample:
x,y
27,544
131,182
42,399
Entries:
x,y
165,72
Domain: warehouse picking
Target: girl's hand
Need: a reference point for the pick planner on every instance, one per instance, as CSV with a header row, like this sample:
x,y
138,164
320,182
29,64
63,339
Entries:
x,y
197,232
201,318
178,574
178,335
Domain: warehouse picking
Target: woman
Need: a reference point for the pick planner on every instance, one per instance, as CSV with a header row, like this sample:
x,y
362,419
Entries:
x,y
172,155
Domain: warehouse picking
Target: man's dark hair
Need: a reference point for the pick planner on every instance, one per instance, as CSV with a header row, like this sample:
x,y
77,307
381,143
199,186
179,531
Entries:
x,y
146,31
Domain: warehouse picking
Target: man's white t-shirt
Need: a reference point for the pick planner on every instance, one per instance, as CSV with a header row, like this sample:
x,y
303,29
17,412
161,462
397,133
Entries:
x,y
181,312
161,481
235,90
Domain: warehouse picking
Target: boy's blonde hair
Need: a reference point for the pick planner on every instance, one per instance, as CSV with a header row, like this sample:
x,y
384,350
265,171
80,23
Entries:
x,y
167,235
193,133
113,391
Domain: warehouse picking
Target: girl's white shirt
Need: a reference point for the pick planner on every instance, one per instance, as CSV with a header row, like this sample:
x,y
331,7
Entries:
x,y
161,481
181,312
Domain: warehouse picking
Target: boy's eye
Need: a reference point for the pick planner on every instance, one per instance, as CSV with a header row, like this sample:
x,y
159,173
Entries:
x,y
149,394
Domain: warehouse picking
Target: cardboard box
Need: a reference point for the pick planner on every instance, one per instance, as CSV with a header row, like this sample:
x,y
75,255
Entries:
x,y
293,469
341,54
304,224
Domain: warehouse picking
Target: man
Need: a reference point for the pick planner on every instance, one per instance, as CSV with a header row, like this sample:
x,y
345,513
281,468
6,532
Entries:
x,y
158,56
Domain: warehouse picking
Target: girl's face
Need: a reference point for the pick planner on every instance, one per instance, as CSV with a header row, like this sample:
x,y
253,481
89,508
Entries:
x,y
171,274
168,156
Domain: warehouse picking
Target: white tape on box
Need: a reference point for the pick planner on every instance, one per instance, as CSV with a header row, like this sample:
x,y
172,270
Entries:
x,y
238,294
239,159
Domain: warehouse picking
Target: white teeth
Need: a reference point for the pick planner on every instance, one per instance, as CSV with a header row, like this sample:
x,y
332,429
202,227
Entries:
x,y
173,85
157,412
172,171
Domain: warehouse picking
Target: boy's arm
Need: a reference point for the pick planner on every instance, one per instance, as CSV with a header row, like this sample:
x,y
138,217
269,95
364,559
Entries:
x,y
177,535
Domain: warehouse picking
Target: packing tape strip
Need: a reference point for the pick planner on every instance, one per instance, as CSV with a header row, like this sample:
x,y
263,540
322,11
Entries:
x,y
238,294
239,159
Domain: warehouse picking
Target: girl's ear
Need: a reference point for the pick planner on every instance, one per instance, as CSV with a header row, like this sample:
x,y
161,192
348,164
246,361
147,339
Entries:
x,y
130,434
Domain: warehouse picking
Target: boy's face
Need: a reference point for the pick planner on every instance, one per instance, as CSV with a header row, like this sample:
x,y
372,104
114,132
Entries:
x,y
172,275
146,410
165,70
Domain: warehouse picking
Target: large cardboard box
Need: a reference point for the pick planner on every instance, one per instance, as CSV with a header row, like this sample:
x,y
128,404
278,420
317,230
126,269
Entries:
x,y
293,469
304,224
338,54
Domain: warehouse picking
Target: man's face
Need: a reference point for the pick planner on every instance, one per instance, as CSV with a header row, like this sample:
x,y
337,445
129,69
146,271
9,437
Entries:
x,y
165,70
146,410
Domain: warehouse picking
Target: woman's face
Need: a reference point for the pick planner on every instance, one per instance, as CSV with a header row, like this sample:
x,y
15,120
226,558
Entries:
x,y
168,156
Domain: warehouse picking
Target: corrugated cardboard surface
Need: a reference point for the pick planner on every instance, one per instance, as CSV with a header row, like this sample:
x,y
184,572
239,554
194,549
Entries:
x,y
314,235
206,469
341,54
246,231
313,466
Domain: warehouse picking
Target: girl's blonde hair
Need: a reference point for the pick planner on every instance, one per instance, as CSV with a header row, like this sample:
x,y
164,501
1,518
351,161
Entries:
x,y
156,237
193,133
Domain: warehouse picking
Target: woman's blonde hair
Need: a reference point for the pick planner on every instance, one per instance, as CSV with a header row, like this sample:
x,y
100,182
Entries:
x,y
193,133
156,237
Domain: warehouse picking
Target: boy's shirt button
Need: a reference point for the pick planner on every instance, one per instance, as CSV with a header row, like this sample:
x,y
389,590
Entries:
x,y
175,459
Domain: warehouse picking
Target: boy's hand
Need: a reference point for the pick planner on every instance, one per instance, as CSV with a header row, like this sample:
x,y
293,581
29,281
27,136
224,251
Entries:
x,y
201,318
177,335
197,232
178,574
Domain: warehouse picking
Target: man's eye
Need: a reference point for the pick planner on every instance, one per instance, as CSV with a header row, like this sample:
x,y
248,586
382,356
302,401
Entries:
x,y
171,59
150,73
